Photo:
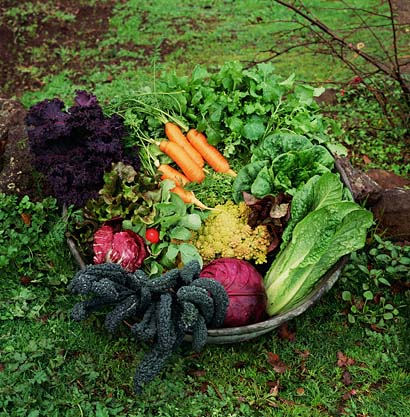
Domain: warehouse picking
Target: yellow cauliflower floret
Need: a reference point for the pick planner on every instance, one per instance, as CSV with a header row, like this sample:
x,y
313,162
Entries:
x,y
226,233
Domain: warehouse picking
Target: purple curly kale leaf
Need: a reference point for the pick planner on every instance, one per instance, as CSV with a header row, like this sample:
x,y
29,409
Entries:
x,y
73,148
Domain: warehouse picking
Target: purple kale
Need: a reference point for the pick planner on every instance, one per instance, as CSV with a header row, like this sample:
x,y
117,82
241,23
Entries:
x,y
73,148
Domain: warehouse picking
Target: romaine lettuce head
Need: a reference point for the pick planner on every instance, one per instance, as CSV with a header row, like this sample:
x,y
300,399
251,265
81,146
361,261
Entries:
x,y
318,241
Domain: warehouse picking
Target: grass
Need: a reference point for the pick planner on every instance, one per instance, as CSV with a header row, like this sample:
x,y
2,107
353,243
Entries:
x,y
50,366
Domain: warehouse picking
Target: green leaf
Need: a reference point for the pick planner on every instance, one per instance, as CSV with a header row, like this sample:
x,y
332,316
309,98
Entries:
x,y
404,260
191,221
188,253
388,316
168,259
101,411
305,94
337,148
368,295
347,296
289,81
384,281
253,130
180,233
263,183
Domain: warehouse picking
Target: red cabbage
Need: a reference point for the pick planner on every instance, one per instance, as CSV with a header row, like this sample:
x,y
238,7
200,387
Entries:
x,y
244,285
126,248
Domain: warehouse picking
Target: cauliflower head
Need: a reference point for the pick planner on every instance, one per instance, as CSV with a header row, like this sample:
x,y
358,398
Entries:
x,y
226,234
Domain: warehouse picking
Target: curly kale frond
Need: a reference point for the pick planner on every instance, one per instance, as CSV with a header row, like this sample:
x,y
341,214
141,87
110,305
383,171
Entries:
x,y
190,272
166,333
200,298
146,329
189,316
199,334
150,366
165,308
83,309
126,309
165,282
220,297
83,281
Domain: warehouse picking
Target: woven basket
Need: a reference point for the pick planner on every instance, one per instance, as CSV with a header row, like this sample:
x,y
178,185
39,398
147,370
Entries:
x,y
243,333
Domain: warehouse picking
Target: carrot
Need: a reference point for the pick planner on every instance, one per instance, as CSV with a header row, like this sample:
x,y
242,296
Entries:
x,y
211,155
188,197
175,134
169,173
191,170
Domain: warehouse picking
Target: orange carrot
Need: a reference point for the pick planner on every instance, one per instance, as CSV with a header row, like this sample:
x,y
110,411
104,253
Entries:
x,y
191,170
211,155
188,197
169,173
175,134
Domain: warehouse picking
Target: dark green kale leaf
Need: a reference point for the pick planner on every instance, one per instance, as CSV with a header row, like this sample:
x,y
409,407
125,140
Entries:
x,y
165,309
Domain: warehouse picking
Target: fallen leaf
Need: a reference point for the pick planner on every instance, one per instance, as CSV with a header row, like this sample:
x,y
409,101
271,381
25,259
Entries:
x,y
274,387
343,361
26,218
275,362
366,159
347,378
239,365
348,394
204,387
274,391
25,280
197,372
285,333
304,354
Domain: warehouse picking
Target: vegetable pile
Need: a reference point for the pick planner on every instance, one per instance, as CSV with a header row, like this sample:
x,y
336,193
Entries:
x,y
226,176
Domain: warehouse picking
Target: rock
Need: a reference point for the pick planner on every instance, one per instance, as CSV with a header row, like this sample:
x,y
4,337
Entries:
x,y
16,171
329,96
387,179
386,197
363,187
392,211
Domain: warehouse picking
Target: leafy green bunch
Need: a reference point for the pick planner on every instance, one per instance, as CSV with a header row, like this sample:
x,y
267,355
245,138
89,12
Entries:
x,y
165,308
32,239
373,281
237,107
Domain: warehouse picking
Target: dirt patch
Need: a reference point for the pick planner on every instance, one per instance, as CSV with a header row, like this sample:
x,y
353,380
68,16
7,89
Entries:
x,y
33,44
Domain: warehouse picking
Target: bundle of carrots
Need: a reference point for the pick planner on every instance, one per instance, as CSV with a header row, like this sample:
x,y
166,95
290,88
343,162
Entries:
x,y
189,153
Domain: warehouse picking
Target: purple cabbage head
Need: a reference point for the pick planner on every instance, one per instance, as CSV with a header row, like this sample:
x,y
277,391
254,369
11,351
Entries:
x,y
245,289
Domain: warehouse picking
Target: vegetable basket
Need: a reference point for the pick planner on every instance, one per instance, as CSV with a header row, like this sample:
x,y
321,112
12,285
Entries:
x,y
248,332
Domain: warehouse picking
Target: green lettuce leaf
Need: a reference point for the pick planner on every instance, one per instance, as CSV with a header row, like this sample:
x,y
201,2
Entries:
x,y
314,194
318,241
